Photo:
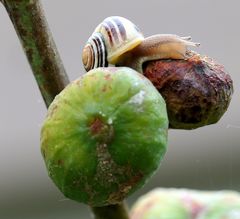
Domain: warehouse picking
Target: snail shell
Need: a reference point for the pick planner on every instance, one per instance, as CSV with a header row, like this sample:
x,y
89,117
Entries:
x,y
113,37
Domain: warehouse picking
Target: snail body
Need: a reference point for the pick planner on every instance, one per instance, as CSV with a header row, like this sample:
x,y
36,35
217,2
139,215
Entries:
x,y
113,37
160,46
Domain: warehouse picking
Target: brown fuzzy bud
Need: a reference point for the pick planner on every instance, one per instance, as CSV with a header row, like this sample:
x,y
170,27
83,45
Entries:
x,y
197,91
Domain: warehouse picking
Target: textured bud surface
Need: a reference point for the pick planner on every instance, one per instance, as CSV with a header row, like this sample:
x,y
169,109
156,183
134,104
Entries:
x,y
104,136
225,208
187,204
197,91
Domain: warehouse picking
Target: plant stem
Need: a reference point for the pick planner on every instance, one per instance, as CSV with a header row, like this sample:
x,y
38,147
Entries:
x,y
111,212
31,26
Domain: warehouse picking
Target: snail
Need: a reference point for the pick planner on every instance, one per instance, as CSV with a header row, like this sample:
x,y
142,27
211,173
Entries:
x,y
113,37
117,41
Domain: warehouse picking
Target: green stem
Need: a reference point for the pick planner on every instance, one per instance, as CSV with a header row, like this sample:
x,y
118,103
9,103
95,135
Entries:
x,y
111,212
31,26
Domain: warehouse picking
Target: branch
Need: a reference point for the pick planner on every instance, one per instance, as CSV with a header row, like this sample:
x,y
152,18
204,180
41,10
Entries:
x,y
30,24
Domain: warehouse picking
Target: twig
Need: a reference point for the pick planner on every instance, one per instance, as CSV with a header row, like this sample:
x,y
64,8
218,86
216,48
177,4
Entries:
x,y
32,29
31,26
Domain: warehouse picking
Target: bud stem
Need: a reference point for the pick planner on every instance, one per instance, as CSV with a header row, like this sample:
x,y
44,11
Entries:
x,y
111,212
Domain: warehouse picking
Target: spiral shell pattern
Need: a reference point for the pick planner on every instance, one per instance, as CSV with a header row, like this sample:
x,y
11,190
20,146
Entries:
x,y
113,37
95,53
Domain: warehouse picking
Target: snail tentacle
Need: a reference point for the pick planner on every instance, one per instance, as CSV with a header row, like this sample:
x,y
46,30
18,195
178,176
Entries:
x,y
187,38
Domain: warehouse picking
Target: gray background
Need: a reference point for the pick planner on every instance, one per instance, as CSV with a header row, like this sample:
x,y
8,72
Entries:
x,y
206,158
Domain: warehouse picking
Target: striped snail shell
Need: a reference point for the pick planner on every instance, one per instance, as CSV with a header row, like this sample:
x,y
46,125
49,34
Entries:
x,y
113,37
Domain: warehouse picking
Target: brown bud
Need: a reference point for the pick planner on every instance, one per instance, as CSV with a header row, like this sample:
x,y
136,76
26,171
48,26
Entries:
x,y
197,91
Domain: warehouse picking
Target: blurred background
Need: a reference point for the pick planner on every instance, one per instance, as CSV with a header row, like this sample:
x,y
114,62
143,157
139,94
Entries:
x,y
206,158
